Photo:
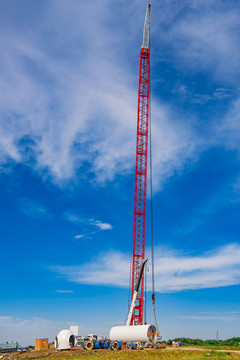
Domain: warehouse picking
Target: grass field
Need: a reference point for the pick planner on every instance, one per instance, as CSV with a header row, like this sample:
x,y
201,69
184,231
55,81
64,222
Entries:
x,y
164,354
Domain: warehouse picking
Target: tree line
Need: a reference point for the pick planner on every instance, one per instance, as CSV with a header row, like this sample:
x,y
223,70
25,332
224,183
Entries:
x,y
233,342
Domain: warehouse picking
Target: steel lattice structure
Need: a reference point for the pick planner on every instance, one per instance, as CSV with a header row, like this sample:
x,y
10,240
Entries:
x,y
141,170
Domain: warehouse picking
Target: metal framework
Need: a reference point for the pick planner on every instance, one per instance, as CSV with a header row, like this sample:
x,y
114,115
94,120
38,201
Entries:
x,y
141,171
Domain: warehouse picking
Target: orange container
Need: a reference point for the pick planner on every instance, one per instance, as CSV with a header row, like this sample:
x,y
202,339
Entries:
x,y
41,344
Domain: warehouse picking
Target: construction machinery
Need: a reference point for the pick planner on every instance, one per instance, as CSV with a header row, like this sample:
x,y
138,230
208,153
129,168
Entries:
x,y
138,244
134,333
134,330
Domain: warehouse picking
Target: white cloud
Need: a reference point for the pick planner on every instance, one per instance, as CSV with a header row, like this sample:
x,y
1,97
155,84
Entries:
x,y
221,93
74,218
174,144
111,268
101,225
234,312
33,208
227,132
79,236
78,220
207,318
203,35
80,105
173,271
2,318
67,96
25,331
65,291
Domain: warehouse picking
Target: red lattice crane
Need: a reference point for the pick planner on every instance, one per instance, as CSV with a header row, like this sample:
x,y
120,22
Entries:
x,y
138,249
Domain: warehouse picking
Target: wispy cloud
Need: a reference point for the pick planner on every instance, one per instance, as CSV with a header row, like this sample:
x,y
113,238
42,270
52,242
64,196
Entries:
x,y
81,109
111,269
173,271
3,318
204,35
101,225
212,269
65,291
74,218
85,239
33,208
59,114
25,331
227,132
79,220
221,93
207,318
80,236
172,153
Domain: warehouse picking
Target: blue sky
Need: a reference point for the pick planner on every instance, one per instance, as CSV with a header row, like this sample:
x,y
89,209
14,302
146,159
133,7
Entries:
x,y
69,79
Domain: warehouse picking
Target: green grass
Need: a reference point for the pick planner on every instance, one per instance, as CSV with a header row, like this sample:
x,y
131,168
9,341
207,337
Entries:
x,y
232,343
152,355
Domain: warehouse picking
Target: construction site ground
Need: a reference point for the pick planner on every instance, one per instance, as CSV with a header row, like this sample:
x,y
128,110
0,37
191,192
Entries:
x,y
169,353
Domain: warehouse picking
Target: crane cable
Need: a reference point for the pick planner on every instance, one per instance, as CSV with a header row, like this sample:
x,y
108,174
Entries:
x,y
145,300
151,196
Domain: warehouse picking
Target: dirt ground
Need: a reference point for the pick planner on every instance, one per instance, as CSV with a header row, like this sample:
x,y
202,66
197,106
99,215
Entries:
x,y
50,354
84,354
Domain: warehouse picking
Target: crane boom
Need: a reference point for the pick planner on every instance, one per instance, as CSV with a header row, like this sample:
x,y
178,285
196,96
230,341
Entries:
x,y
146,30
134,298
141,171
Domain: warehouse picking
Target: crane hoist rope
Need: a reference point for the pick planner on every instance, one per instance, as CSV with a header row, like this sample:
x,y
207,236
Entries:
x,y
151,205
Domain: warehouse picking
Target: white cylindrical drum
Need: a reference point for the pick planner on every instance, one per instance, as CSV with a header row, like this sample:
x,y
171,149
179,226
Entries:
x,y
142,333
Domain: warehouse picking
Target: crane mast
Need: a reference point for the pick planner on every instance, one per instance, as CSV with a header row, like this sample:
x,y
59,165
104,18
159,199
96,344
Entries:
x,y
138,249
